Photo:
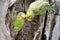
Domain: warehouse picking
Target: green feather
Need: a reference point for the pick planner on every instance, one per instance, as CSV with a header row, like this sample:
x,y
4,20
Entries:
x,y
19,22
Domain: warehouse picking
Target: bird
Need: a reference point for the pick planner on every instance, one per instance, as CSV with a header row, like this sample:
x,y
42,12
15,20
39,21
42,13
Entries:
x,y
38,7
19,21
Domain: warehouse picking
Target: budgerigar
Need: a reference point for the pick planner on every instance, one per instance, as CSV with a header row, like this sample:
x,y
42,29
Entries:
x,y
38,7
19,21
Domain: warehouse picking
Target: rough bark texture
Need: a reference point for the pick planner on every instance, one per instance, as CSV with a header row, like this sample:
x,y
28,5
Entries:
x,y
56,31
4,32
32,30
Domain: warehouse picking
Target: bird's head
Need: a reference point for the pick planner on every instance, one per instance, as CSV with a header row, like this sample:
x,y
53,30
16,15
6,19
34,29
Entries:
x,y
30,15
21,15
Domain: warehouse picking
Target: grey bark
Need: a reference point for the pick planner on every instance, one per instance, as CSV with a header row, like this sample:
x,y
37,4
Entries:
x,y
53,25
4,32
56,31
31,30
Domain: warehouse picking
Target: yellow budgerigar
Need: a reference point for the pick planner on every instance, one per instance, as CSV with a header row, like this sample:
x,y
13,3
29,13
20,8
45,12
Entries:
x,y
38,7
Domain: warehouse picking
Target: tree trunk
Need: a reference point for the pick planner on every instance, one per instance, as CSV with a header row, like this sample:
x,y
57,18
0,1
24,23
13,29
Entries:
x,y
4,32
56,31
44,27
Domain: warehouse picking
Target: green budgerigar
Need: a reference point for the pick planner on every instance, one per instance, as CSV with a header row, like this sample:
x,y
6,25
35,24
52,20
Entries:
x,y
38,7
19,21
